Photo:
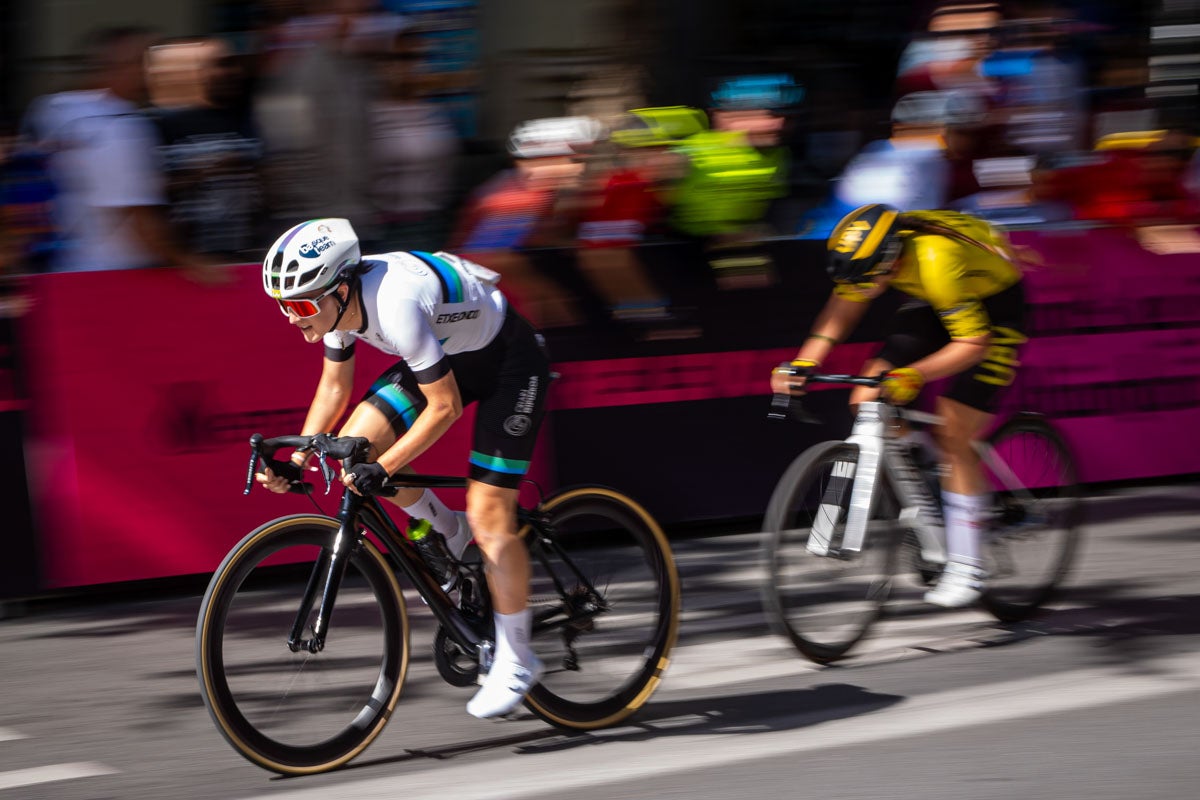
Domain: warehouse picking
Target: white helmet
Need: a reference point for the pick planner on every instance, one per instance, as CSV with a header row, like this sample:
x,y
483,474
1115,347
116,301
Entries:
x,y
311,256
553,136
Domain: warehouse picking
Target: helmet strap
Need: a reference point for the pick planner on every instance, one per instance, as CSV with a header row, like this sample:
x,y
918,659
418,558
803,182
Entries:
x,y
352,281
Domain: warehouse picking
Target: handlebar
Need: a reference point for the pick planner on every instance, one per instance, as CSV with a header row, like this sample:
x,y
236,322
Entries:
x,y
789,407
350,450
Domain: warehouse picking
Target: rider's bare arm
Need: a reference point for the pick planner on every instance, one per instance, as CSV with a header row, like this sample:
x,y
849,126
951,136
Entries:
x,y
443,407
835,322
332,396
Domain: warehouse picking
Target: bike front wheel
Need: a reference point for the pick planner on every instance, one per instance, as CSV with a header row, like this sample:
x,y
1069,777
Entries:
x,y
300,712
823,604
1035,528
605,600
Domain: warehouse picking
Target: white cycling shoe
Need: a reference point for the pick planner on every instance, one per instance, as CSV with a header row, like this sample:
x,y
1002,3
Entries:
x,y
504,687
959,586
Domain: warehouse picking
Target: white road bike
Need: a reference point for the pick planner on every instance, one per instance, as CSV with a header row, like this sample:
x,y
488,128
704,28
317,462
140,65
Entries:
x,y
847,515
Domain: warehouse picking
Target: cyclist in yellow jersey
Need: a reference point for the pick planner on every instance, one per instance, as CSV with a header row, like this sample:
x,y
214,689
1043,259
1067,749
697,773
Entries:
x,y
967,320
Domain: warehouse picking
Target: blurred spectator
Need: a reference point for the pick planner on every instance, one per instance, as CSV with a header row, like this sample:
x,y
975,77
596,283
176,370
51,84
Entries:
x,y
619,204
210,151
606,94
101,155
414,152
948,54
738,179
1042,82
729,182
314,111
910,170
1134,178
1191,176
12,299
517,209
928,162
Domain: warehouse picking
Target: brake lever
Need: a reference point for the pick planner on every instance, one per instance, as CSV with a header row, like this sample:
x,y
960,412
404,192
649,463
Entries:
x,y
327,473
320,451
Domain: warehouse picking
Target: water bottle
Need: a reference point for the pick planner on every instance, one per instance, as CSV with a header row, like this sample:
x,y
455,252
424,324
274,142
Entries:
x,y
434,552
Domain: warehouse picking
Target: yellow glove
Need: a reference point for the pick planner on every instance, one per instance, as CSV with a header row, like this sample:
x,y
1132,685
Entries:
x,y
799,367
902,385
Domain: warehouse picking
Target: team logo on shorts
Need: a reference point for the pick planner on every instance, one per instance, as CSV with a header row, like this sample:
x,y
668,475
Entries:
x,y
517,425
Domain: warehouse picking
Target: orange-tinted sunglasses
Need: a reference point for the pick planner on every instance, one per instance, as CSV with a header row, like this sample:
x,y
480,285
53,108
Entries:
x,y
305,307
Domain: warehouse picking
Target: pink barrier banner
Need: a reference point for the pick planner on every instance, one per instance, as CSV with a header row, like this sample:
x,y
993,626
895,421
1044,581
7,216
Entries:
x,y
146,388
138,434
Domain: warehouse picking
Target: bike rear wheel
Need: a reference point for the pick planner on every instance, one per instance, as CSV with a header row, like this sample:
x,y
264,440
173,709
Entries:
x,y
605,599
300,712
823,604
1035,532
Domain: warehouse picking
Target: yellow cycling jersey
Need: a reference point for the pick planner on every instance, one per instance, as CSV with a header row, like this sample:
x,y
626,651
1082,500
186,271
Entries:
x,y
952,275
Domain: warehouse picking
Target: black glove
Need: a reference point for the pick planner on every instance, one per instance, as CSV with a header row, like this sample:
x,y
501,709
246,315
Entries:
x,y
369,478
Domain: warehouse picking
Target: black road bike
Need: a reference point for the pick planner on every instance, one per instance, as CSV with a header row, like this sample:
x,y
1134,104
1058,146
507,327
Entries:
x,y
297,688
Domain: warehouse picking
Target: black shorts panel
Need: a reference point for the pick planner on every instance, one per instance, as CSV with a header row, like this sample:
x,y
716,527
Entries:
x,y
508,379
915,331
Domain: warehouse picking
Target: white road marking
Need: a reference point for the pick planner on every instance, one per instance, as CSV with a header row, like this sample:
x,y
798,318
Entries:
x,y
803,732
55,772
8,735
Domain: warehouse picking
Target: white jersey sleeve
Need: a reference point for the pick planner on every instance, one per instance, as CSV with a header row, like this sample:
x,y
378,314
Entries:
x,y
423,307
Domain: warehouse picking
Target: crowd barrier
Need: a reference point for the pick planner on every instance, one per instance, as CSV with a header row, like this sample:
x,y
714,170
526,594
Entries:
x,y
142,388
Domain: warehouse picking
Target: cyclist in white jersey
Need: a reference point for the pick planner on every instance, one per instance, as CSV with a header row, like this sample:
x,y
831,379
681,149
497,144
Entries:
x,y
458,341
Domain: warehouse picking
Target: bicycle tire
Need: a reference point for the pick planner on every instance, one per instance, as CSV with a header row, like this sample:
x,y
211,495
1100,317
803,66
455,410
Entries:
x,y
1025,577
823,605
346,692
620,654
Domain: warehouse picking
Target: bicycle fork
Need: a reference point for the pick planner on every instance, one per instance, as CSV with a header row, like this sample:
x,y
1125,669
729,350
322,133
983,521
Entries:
x,y
856,477
327,577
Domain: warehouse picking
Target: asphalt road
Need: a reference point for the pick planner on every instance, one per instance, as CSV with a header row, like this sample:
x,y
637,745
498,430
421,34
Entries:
x,y
1097,699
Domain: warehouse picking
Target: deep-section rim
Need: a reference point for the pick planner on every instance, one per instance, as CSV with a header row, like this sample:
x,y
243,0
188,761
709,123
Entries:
x,y
612,710
214,689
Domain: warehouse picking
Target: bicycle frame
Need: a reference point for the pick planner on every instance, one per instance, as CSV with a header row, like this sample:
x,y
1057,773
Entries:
x,y
357,514
879,455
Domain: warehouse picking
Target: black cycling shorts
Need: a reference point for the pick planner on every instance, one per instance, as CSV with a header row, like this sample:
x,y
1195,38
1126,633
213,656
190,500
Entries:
x,y
915,331
508,378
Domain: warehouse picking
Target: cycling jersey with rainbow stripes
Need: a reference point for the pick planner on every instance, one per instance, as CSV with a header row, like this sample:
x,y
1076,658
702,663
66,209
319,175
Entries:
x,y
422,307
951,275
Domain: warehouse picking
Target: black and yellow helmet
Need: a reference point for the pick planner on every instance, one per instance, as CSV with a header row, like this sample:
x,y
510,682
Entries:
x,y
864,244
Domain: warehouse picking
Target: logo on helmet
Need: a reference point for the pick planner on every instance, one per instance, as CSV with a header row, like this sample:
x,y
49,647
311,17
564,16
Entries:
x,y
316,247
852,237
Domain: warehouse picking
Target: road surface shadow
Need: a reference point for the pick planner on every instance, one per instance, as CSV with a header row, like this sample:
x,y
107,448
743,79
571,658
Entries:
x,y
760,712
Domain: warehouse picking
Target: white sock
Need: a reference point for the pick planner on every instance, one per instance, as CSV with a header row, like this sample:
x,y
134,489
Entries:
x,y
512,637
429,507
964,526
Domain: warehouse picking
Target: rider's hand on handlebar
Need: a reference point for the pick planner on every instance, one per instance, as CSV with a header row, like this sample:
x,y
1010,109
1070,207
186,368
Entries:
x,y
790,376
279,484
366,479
902,385
272,482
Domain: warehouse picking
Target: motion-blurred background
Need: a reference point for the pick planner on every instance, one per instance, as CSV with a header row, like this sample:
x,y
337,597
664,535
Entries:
x,y
653,179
